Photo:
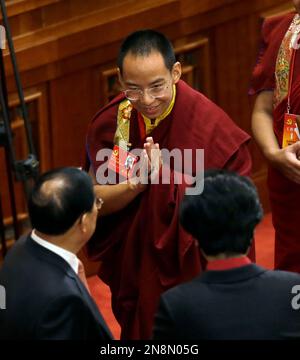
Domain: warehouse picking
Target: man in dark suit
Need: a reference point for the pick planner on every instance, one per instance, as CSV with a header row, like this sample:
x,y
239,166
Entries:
x,y
233,299
46,290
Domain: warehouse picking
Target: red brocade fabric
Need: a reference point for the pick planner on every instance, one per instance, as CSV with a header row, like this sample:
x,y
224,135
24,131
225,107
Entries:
x,y
284,194
143,249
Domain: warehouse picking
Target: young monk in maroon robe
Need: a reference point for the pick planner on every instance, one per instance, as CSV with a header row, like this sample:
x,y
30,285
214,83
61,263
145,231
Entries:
x,y
141,246
276,80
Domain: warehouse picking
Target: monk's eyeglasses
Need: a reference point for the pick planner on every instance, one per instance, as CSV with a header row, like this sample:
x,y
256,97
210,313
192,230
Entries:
x,y
155,92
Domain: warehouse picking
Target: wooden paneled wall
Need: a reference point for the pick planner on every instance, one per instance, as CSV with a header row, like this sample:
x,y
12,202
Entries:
x,y
66,52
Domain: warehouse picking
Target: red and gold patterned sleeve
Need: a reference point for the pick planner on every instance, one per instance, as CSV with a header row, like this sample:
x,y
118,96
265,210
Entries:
x,y
272,33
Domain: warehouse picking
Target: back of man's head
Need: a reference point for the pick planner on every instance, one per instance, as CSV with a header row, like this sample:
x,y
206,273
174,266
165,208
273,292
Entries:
x,y
143,42
59,198
223,217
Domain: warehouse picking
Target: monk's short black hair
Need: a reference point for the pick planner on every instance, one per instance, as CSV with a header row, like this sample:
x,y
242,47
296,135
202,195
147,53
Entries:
x,y
143,42
223,217
59,198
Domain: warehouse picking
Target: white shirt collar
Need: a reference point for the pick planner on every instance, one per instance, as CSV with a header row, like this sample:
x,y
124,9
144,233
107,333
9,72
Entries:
x,y
68,256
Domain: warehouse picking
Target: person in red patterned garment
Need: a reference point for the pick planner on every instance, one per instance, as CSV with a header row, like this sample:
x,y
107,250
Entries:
x,y
276,81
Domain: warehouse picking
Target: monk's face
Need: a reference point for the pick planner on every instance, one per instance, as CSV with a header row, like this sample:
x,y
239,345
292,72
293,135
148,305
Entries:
x,y
297,5
147,73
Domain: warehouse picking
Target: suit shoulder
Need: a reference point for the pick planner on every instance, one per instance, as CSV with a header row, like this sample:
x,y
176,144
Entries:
x,y
182,291
285,276
68,298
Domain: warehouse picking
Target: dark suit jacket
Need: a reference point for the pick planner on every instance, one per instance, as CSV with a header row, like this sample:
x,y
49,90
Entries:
x,y
45,299
248,302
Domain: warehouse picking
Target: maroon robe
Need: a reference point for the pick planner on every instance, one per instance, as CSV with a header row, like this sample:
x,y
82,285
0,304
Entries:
x,y
143,249
284,193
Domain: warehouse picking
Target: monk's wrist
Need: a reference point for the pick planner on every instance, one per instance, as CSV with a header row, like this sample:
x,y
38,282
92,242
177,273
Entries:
x,y
271,154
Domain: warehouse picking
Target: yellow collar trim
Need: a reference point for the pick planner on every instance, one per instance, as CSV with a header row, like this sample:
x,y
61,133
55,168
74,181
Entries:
x,y
149,126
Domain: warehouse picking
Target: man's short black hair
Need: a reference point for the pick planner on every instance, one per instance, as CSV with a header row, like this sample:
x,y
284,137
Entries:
x,y
143,42
224,216
59,198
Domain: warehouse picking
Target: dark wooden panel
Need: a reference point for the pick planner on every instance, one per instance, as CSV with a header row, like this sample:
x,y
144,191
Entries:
x,y
72,108
16,7
78,35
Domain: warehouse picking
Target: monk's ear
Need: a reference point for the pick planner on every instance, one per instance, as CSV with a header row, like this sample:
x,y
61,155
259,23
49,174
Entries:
x,y
176,72
120,78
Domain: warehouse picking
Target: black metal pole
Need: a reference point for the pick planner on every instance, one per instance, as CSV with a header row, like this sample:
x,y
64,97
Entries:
x,y
11,189
17,78
25,170
2,232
